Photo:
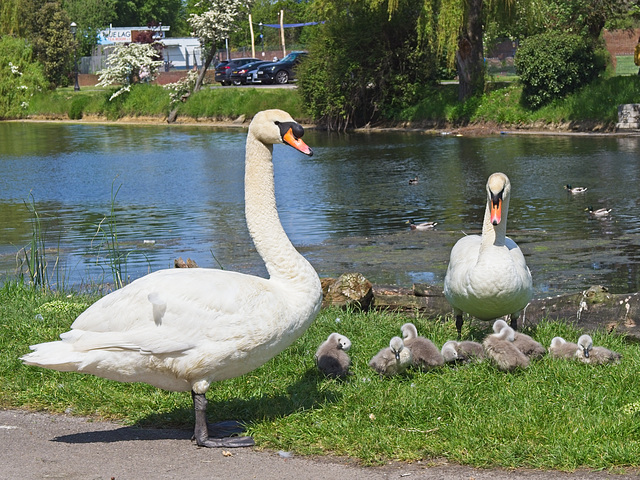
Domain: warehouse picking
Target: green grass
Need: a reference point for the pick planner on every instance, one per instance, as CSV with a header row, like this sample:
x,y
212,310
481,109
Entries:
x,y
154,101
596,103
555,415
625,65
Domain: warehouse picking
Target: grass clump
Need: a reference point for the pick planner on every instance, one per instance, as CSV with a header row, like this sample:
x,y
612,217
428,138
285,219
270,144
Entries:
x,y
554,415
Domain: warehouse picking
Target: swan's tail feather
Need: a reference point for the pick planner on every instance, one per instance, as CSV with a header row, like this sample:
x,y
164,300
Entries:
x,y
54,355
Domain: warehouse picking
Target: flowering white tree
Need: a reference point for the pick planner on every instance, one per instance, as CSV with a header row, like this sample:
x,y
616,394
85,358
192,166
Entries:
x,y
129,64
213,26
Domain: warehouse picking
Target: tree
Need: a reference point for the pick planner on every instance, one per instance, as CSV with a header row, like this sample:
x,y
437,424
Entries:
x,y
129,64
91,16
363,64
47,28
131,13
10,23
213,25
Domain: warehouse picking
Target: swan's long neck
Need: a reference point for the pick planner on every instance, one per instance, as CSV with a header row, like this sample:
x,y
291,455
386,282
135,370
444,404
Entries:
x,y
282,260
494,235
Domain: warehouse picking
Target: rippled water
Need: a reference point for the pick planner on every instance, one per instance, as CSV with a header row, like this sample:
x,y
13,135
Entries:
x,y
179,192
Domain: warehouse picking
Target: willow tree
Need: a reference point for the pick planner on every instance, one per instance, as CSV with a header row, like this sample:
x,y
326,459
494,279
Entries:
x,y
457,29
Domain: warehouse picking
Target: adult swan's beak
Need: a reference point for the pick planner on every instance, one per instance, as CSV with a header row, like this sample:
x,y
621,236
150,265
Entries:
x,y
291,133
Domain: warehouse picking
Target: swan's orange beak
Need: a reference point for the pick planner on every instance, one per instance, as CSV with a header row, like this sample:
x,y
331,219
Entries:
x,y
297,143
496,211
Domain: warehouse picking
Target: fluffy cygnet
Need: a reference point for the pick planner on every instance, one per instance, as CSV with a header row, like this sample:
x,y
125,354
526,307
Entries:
x,y
331,356
500,349
424,353
465,351
587,353
393,359
560,348
523,342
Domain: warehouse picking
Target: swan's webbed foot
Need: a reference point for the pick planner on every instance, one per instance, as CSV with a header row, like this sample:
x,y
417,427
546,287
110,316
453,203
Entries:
x,y
217,435
226,442
225,429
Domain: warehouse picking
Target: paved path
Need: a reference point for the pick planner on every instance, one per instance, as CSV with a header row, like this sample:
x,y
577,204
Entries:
x,y
39,446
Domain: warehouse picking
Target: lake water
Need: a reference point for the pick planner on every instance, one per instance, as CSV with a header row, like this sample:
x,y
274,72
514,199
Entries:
x,y
179,193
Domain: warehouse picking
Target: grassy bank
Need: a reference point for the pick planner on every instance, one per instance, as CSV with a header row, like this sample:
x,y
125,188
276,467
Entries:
x,y
595,106
555,415
152,102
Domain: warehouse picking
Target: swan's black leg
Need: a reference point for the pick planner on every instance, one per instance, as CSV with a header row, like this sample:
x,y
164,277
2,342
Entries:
x,y
220,432
459,325
514,321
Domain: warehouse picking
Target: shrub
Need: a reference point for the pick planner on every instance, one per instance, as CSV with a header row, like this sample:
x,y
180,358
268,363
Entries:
x,y
20,77
353,77
77,107
553,64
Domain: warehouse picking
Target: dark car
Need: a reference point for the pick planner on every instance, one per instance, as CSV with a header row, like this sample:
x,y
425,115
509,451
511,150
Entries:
x,y
239,74
224,69
280,72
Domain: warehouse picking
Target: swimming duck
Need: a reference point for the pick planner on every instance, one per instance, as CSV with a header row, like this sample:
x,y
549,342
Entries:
x,y
601,212
421,226
571,189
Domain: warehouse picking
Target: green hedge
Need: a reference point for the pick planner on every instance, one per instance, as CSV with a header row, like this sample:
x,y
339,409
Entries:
x,y
554,64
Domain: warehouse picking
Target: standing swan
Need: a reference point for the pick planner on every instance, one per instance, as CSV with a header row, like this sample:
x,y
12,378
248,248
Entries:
x,y
182,329
487,275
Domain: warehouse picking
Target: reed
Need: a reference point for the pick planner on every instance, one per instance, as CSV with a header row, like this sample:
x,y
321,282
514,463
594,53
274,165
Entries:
x,y
107,231
33,257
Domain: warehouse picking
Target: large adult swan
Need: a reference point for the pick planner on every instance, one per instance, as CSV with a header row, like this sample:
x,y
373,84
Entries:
x,y
182,329
487,275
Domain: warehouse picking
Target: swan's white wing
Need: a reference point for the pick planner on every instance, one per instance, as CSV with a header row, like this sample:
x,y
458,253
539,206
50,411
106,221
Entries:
x,y
180,298
464,256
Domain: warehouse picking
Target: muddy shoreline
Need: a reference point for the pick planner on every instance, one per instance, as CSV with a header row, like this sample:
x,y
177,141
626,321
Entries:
x,y
439,128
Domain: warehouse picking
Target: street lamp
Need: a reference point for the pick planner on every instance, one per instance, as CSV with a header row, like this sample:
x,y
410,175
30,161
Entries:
x,y
261,38
74,29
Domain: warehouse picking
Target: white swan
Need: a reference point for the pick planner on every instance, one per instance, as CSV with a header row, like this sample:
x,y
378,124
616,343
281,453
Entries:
x,y
487,275
183,329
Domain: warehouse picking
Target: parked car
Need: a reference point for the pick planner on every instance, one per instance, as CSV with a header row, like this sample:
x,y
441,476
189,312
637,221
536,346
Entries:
x,y
239,74
280,72
224,69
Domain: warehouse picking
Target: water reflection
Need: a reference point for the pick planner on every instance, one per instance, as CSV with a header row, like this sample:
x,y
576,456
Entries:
x,y
178,191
